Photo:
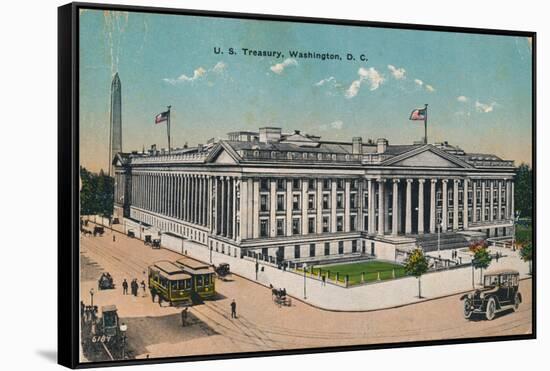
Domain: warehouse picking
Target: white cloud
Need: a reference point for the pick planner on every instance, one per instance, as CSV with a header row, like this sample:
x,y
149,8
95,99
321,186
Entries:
x,y
370,75
280,67
419,82
485,107
335,125
462,99
324,81
219,67
430,88
398,73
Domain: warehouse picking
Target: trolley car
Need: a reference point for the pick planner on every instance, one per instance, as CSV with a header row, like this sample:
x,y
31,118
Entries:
x,y
170,283
203,277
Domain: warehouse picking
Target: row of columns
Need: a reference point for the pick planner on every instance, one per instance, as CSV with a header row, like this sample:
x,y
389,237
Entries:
x,y
180,196
379,225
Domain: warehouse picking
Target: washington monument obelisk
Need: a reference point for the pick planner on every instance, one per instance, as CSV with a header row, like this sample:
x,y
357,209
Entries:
x,y
115,134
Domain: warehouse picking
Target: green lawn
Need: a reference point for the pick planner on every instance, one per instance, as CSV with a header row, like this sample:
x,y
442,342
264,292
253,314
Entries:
x,y
369,268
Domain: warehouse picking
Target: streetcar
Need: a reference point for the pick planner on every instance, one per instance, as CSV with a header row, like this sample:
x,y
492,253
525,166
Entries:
x,y
170,283
203,277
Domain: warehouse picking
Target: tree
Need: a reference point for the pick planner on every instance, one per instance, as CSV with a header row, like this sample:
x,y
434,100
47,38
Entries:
x,y
96,194
526,254
523,192
416,265
482,258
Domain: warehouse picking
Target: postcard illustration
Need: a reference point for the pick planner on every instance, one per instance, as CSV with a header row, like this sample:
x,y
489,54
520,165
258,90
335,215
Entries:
x,y
251,185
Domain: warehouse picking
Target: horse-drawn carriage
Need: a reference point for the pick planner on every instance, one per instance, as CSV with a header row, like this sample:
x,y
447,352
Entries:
x,y
105,282
280,297
98,231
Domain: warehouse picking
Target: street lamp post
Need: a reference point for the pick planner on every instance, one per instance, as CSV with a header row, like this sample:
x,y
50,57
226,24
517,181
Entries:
x,y
92,297
123,328
304,267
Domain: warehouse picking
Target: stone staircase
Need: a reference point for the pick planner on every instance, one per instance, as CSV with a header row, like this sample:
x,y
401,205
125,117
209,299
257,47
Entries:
x,y
448,241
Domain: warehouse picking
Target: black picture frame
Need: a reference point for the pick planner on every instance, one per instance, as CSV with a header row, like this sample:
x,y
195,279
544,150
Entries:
x,y
68,181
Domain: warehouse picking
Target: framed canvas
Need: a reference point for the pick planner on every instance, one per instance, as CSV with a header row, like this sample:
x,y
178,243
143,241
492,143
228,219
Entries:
x,y
242,185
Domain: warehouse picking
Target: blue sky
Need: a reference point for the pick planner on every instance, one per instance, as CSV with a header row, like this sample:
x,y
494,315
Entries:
x,y
478,87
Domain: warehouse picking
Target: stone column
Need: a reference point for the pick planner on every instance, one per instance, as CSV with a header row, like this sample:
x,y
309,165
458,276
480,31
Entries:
x,y
256,208
333,205
444,214
250,207
381,211
499,195
243,210
272,207
288,199
465,205
512,209
483,201
347,188
229,207
360,207
370,207
215,206
421,206
223,210
455,205
491,200
394,222
474,201
319,210
408,206
234,208
433,184
304,207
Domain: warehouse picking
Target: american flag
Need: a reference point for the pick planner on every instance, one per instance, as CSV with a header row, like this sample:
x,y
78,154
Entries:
x,y
161,117
418,114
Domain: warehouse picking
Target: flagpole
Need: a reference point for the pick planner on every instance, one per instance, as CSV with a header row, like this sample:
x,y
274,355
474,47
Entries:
x,y
168,129
426,124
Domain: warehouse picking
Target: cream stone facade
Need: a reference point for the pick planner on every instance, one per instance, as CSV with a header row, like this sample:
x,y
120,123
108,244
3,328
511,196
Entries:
x,y
294,197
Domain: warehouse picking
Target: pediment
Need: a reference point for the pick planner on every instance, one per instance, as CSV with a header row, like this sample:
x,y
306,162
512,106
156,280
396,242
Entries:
x,y
223,158
427,156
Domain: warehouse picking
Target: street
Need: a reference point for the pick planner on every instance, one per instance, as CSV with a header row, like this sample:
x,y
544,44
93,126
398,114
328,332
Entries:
x,y
155,331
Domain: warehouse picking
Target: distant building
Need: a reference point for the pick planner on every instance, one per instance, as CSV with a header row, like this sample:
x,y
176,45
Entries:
x,y
115,133
295,197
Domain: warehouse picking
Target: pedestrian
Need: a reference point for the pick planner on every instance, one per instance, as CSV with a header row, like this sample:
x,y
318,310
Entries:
x,y
114,239
324,278
143,286
134,287
125,287
497,256
184,316
233,309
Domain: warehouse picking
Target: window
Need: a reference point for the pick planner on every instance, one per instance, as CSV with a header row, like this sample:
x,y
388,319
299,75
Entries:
x,y
296,183
281,184
326,201
340,184
352,222
354,183
296,226
340,200
311,202
470,198
438,196
325,224
486,214
311,249
311,184
354,246
280,227
264,252
263,227
339,223
311,225
264,203
296,251
353,200
326,183
264,184
365,200
280,202
296,202
327,248
340,247
280,253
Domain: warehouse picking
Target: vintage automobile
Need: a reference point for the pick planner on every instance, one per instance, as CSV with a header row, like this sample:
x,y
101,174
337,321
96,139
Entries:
x,y
130,233
222,270
148,240
156,243
499,293
105,282
98,231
